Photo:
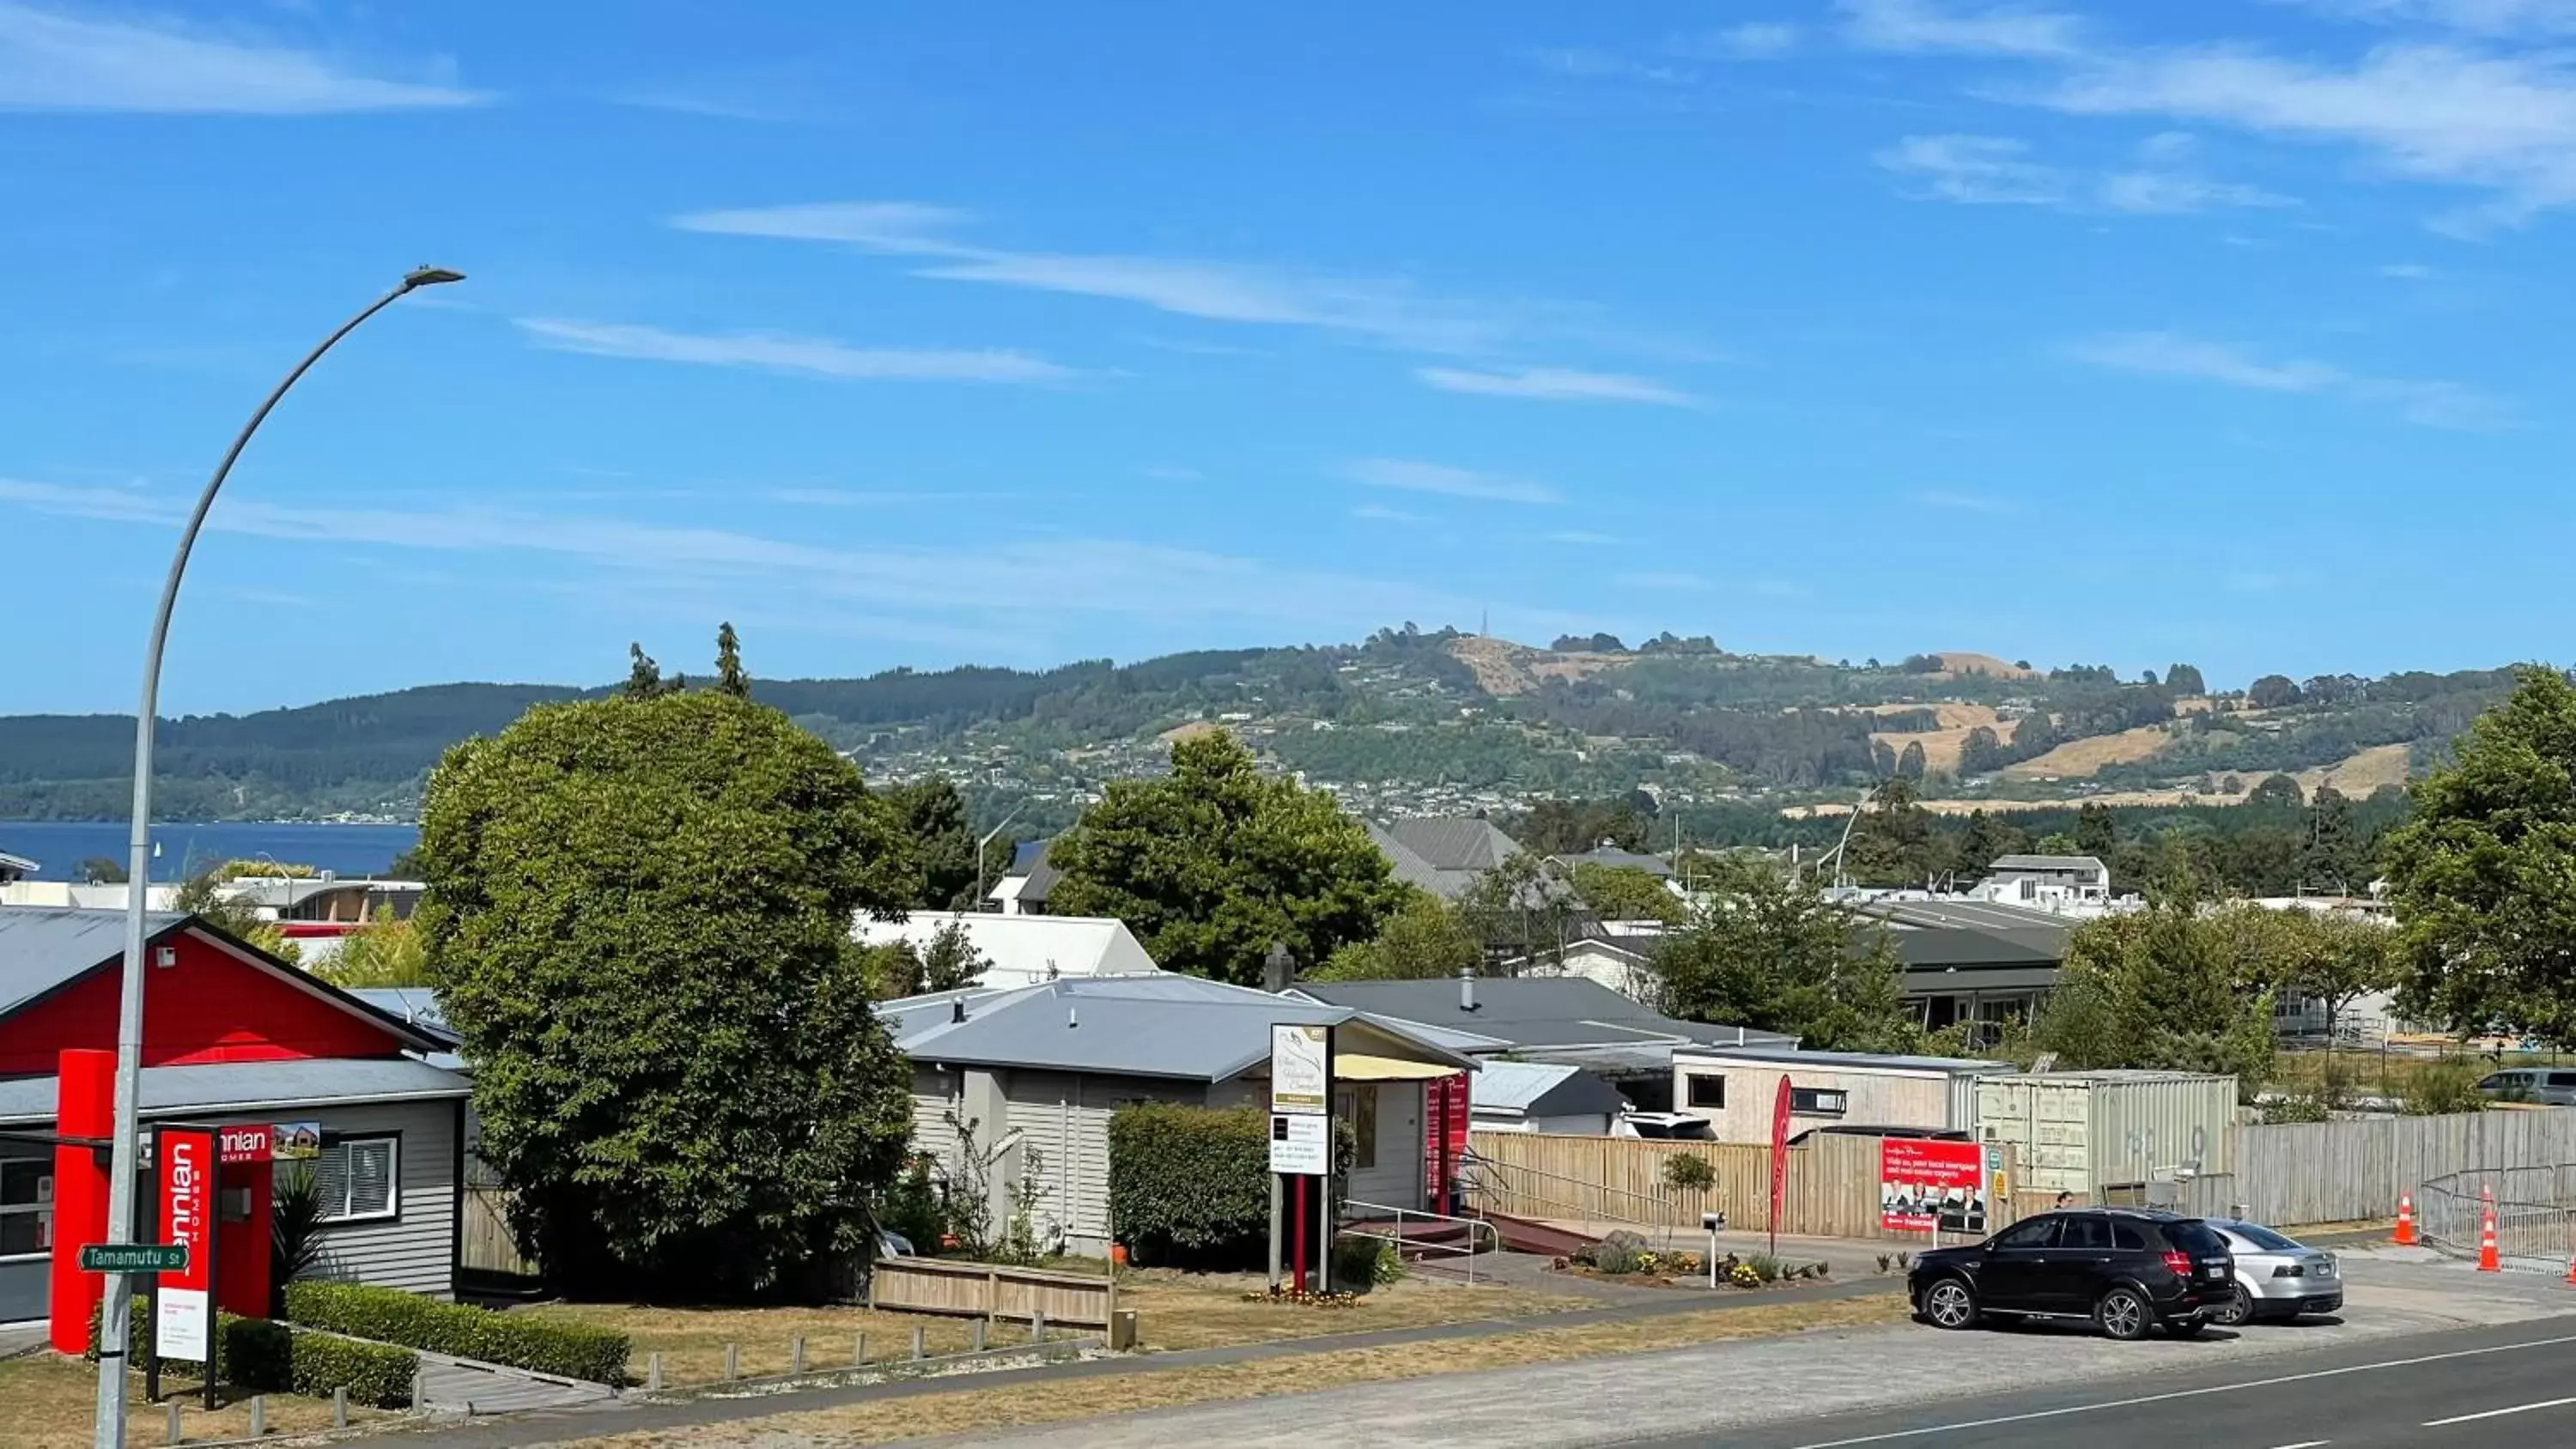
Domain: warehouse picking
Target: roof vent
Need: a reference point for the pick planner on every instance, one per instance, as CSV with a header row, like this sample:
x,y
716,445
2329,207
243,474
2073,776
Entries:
x,y
1466,988
1072,1018
957,1010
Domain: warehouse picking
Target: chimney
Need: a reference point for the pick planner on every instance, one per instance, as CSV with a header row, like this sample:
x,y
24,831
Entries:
x,y
1466,988
1278,968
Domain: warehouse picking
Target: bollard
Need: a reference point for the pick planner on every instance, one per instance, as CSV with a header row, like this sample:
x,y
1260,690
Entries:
x,y
259,1416
979,1336
859,1352
1037,1326
178,1434
1122,1328
733,1362
796,1354
653,1373
419,1389
340,1407
919,1349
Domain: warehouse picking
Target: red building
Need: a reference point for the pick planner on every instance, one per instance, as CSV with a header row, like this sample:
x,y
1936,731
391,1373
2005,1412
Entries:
x,y
232,1037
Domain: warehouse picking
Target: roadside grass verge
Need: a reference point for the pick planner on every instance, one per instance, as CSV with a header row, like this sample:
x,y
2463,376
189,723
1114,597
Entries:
x,y
48,1402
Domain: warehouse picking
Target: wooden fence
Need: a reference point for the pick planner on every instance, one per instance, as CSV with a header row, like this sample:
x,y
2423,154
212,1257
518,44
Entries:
x,y
1832,1191
988,1290
2346,1171
485,1243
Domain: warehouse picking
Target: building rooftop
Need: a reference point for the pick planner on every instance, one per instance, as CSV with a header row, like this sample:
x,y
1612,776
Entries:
x,y
224,1088
1022,949
1534,1011
1891,1061
1542,1089
1617,859
1442,854
2047,862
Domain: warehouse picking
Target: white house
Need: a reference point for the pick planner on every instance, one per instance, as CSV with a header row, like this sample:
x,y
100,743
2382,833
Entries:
x,y
1025,950
2045,881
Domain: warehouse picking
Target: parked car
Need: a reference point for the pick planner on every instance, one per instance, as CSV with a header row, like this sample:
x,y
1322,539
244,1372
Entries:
x,y
2127,1270
1665,1126
1912,1134
2277,1277
2530,1084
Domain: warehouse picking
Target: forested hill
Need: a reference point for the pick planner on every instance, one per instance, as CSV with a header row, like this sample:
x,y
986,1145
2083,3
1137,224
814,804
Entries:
x,y
1404,722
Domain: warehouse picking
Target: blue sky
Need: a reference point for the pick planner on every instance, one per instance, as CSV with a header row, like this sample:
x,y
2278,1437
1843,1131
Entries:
x,y
2230,333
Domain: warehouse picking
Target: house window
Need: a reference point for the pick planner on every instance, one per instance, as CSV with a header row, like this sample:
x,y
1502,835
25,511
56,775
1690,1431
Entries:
x,y
26,1206
1358,1106
1708,1091
356,1176
1818,1101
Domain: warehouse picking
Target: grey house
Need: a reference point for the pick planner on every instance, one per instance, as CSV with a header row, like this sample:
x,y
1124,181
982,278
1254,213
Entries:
x,y
1442,854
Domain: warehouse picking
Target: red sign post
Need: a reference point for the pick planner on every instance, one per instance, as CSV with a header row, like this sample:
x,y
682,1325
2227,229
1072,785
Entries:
x,y
183,1320
1925,1186
1779,1160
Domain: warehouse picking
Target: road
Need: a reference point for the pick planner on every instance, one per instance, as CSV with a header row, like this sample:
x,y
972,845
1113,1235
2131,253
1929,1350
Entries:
x,y
2476,1387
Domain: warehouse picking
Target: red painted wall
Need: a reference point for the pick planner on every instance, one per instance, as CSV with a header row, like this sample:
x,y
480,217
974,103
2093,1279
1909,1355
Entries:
x,y
85,1107
209,1007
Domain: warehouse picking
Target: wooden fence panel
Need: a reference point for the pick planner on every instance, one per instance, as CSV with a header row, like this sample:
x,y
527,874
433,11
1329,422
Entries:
x,y
485,1243
2343,1171
1607,1182
990,1290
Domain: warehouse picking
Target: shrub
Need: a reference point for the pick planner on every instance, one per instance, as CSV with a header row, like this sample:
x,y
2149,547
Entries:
x,y
1190,1184
1621,1252
1689,1172
261,1356
1360,1264
574,1350
2444,1088
1765,1268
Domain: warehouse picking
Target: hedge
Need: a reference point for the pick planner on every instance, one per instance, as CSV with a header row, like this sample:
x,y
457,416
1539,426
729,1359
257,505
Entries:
x,y
1191,1185
389,1315
258,1356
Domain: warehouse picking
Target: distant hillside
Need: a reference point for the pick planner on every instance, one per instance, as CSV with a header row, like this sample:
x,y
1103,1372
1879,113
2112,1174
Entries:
x,y
1402,722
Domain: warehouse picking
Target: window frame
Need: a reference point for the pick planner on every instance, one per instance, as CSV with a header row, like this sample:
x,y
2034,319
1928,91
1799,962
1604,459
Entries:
x,y
1691,1088
1809,1101
2053,1226
41,1208
346,1141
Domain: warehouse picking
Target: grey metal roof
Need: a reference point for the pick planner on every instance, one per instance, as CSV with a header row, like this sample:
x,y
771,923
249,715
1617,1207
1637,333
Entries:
x,y
1617,859
2047,862
1454,842
1039,874
1531,1011
1164,1025
1542,1089
417,1005
16,864
43,948
1791,1056
224,1087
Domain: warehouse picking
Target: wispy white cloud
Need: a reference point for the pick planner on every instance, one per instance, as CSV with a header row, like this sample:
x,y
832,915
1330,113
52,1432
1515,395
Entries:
x,y
776,352
1418,477
1999,170
1752,40
51,60
1380,513
1675,582
2481,17
1557,384
1589,63
1919,26
1962,502
2409,272
1175,475
1389,311
2430,402
1581,538
888,591
1780,589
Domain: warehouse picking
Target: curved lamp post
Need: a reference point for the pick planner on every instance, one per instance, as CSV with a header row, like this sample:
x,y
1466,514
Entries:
x,y
114,1333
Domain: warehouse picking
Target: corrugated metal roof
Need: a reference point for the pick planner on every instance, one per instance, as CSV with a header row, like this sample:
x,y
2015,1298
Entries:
x,y
1164,1025
246,1086
1455,842
1793,1057
42,947
1531,1011
2047,862
1541,1089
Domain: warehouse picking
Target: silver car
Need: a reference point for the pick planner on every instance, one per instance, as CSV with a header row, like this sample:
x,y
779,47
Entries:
x,y
2277,1277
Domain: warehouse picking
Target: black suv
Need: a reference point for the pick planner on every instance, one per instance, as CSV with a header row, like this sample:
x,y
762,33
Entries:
x,y
2127,1271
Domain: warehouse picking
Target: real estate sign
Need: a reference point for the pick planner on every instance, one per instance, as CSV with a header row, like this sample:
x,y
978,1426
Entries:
x,y
1300,1069
181,1328
1300,1144
1927,1185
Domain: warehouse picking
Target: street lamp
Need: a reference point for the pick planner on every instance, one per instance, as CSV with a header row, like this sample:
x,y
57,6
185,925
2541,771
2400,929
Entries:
x,y
114,1333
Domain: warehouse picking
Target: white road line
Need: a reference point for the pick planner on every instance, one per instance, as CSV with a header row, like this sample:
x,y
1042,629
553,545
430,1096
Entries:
x,y
2497,1413
2359,1368
2306,1444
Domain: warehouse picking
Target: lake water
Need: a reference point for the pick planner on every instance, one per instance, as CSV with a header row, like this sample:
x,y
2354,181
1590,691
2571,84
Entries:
x,y
59,846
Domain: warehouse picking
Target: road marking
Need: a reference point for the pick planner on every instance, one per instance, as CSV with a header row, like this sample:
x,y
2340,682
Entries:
x,y
2038,1414
2306,1444
2497,1413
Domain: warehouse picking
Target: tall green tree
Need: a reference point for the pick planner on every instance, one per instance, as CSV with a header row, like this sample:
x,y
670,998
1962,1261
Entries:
x,y
730,677
1989,838
2334,858
2185,679
2272,691
639,920
1624,893
2096,834
2168,987
943,840
205,896
1424,938
1910,762
1521,909
643,676
1981,753
2277,794
2481,876
1775,954
1895,842
1212,863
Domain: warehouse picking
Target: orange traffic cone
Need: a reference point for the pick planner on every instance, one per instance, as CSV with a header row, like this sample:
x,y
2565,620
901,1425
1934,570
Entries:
x,y
2487,1259
2405,1220
2571,1273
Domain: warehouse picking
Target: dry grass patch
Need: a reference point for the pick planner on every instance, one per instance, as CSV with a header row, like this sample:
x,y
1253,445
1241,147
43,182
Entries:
x,y
982,1410
2360,773
1193,1310
48,1401
2080,759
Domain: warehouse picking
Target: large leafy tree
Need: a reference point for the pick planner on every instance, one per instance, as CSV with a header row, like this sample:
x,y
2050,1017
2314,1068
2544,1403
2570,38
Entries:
x,y
2172,987
2185,679
943,839
2335,857
1773,953
1521,909
639,918
1624,893
1212,863
1425,937
2484,875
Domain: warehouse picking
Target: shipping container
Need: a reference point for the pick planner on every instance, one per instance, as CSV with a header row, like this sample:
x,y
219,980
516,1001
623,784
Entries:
x,y
2103,1135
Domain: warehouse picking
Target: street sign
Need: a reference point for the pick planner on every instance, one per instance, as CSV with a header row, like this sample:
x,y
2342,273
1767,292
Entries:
x,y
133,1257
1299,1074
1300,1144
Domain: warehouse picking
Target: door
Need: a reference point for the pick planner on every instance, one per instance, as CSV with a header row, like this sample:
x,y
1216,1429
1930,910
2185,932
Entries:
x,y
2015,1262
2079,1265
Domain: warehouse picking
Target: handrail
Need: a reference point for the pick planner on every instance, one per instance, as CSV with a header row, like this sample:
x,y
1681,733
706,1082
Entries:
x,y
1400,1214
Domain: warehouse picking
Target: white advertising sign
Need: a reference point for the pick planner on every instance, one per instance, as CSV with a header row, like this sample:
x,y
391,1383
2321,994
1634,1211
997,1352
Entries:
x,y
1300,1143
180,1331
1298,1081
